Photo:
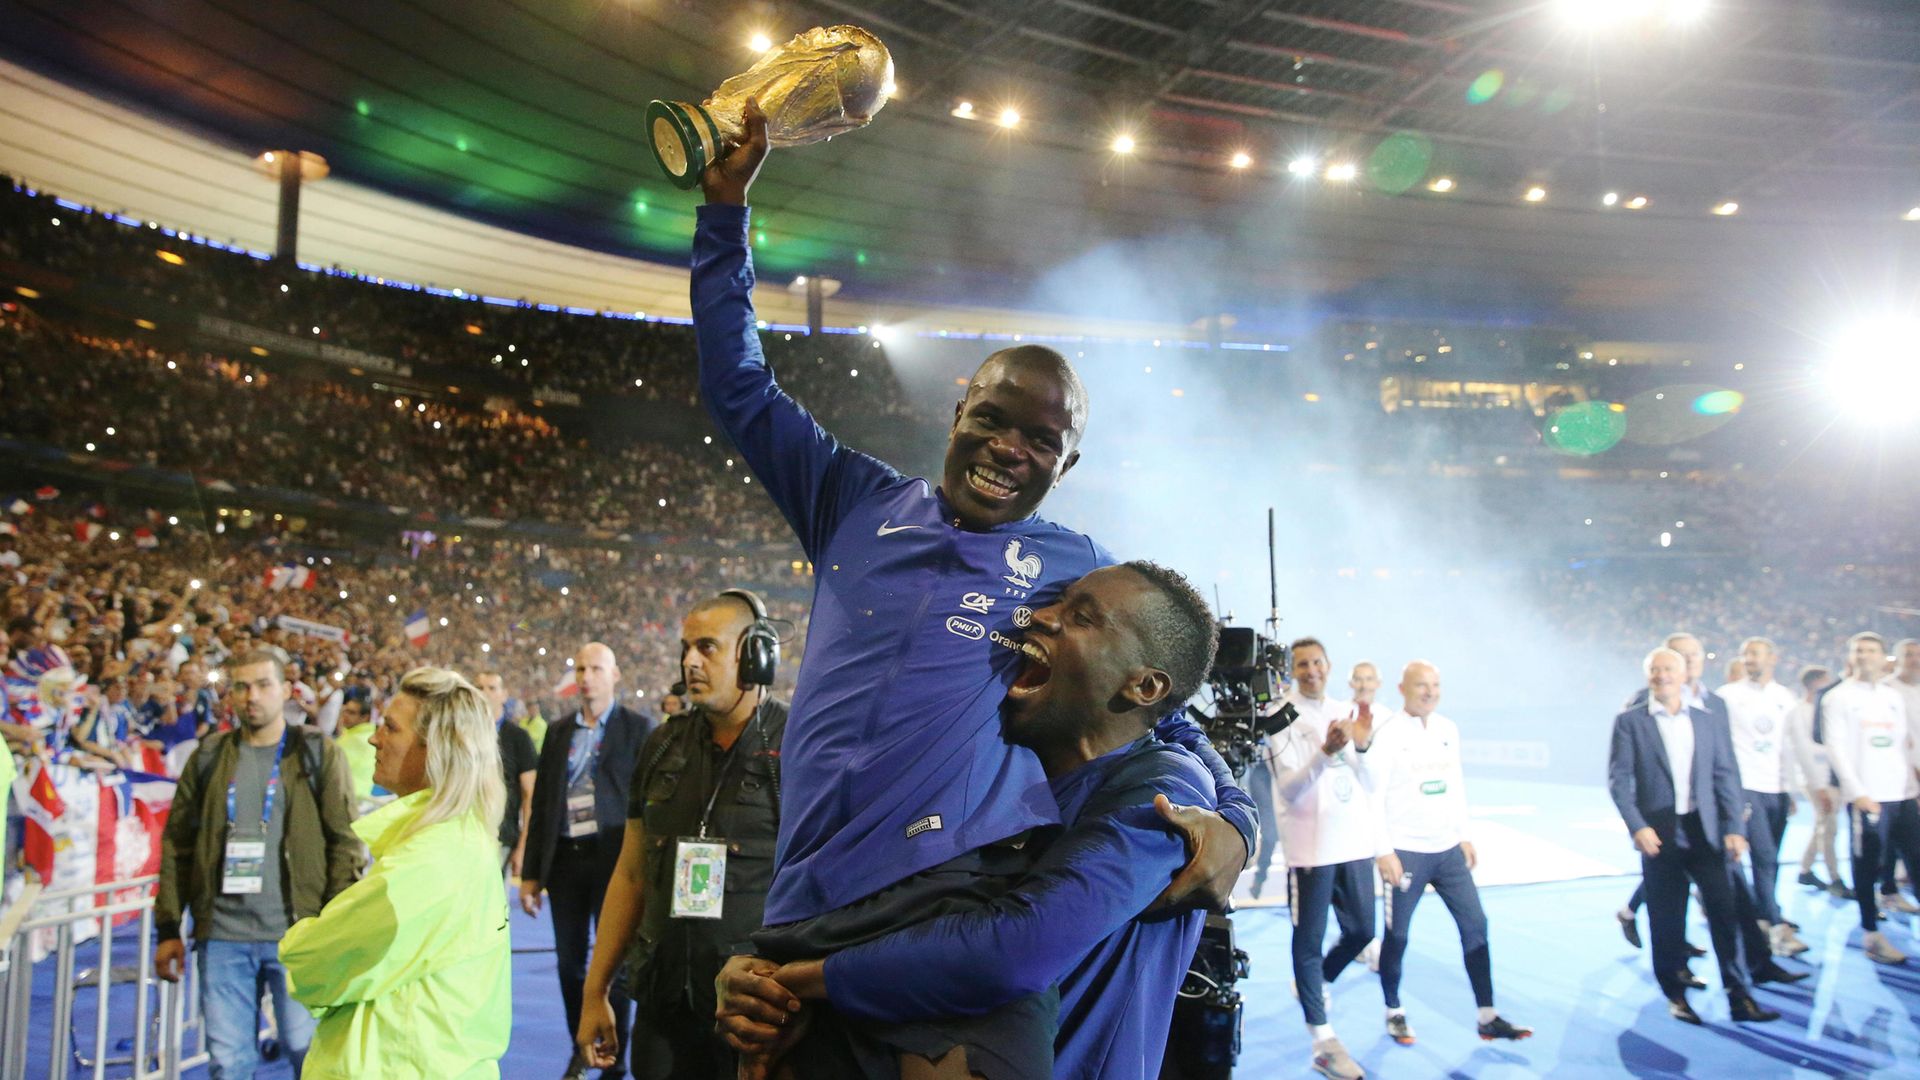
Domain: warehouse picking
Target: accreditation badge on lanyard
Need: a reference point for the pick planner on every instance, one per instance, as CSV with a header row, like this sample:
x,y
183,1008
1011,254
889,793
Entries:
x,y
700,866
244,870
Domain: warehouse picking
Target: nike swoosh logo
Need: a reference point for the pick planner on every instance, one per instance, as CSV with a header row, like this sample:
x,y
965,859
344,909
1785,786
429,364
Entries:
x,y
888,528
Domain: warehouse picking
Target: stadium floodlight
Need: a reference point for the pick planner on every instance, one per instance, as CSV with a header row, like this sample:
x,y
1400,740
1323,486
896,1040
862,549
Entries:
x,y
1872,369
1609,198
759,42
1536,193
1687,12
1240,159
1009,117
1911,215
885,334
1123,143
1726,209
1303,166
1342,171
1600,14
1441,184
963,110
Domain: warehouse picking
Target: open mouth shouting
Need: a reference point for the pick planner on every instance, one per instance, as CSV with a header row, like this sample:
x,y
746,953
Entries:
x,y
991,482
1034,674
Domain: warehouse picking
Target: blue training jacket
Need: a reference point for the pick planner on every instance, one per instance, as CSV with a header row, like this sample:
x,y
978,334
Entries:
x,y
1079,919
893,761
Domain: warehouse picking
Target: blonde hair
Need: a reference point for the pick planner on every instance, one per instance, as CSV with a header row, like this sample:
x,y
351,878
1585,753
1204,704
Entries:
x,y
455,720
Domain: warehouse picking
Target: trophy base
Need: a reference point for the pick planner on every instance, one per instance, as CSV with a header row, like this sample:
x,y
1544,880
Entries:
x,y
684,140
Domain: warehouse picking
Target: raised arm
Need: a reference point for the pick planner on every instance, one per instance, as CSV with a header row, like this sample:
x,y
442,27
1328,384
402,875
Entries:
x,y
808,474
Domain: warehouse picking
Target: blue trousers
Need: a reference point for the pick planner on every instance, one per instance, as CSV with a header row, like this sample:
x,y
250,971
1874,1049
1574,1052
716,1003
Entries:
x,y
1447,872
232,975
1347,888
1766,824
1877,839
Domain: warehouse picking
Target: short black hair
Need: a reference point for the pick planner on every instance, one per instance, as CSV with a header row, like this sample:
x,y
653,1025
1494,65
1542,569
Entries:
x,y
1055,364
1180,631
1815,675
1306,642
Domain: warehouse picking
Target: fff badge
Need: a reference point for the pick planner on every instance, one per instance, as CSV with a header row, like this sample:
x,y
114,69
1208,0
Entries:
x,y
699,878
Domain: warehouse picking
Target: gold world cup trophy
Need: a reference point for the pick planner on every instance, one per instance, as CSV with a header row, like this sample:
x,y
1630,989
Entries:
x,y
825,81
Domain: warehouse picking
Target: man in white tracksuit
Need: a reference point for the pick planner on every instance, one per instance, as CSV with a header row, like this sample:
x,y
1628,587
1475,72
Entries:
x,y
1420,799
1870,745
1327,833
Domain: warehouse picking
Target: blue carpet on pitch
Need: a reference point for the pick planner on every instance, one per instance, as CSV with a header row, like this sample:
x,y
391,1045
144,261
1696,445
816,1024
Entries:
x,y
1560,965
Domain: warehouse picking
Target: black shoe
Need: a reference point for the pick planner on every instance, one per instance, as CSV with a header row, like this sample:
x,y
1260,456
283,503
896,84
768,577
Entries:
x,y
1748,1011
1498,1028
1841,892
1688,979
1678,1008
1695,950
1629,927
1812,880
1774,973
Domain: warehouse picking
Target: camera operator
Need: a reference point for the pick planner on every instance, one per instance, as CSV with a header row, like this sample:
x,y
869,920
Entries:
x,y
1327,827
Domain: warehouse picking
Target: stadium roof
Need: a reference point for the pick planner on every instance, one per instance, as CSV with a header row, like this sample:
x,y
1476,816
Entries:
x,y
525,114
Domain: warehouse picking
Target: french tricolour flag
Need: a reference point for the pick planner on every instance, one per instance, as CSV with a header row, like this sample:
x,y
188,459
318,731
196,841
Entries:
x,y
84,531
419,628
288,577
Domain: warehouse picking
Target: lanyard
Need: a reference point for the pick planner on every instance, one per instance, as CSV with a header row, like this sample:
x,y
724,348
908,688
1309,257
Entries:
x,y
726,765
580,757
273,785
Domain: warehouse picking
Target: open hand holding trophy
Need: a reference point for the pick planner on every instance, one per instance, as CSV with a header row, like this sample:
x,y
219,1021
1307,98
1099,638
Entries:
x,y
825,81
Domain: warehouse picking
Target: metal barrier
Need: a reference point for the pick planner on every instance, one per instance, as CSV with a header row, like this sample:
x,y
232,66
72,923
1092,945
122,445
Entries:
x,y
159,1034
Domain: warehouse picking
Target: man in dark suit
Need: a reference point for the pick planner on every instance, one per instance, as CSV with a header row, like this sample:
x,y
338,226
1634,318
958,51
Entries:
x,y
1673,777
579,818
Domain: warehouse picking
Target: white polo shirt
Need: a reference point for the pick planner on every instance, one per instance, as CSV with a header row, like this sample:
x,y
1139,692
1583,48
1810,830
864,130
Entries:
x,y
1865,729
1758,714
1420,794
1326,809
1910,697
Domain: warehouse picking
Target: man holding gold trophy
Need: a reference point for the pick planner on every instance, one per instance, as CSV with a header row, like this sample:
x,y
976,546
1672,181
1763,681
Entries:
x,y
901,799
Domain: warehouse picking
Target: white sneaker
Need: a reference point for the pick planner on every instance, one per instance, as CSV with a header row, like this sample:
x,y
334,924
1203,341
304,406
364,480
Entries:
x,y
1894,901
1330,1059
1371,954
1881,951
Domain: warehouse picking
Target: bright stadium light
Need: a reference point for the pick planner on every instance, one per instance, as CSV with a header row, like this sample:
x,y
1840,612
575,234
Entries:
x,y
1536,194
1872,369
1123,144
964,110
1342,171
1726,209
1009,118
1441,184
1303,166
1240,160
1610,198
759,42
1687,12
1911,215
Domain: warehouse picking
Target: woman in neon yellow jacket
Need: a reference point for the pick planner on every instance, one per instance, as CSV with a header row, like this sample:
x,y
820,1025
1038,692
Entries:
x,y
410,969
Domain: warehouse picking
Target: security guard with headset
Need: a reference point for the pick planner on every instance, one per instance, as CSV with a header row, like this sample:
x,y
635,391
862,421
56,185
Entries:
x,y
697,858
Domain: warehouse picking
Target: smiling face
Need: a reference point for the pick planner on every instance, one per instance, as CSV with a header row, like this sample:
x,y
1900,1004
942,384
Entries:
x,y
1310,671
1014,436
1666,675
1420,688
1085,661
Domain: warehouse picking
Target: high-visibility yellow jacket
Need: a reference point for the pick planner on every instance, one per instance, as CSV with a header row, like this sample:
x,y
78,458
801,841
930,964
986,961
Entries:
x,y
355,745
410,969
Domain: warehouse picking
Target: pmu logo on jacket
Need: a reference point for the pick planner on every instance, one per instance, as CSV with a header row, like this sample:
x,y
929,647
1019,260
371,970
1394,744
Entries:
x,y
966,628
